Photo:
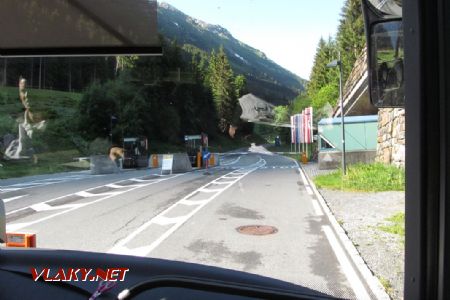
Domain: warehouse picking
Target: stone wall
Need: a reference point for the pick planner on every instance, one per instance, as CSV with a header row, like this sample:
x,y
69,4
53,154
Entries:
x,y
391,136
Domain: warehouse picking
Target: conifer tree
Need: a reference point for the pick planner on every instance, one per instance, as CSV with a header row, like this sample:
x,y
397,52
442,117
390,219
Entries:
x,y
221,81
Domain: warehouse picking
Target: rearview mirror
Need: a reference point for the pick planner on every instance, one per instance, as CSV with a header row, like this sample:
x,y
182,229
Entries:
x,y
2,222
384,33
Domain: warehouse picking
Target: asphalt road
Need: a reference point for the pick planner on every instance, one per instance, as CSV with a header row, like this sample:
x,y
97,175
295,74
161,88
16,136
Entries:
x,y
192,217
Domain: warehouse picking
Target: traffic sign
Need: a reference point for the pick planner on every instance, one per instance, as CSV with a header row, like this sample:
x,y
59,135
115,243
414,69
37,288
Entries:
x,y
206,155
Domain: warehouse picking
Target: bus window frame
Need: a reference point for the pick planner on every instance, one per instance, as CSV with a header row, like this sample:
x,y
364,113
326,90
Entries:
x,y
427,228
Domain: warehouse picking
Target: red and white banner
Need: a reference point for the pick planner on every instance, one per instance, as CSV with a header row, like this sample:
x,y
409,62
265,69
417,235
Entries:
x,y
301,136
308,125
302,127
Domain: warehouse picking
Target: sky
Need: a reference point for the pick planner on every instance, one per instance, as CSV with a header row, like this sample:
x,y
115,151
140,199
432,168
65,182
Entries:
x,y
287,31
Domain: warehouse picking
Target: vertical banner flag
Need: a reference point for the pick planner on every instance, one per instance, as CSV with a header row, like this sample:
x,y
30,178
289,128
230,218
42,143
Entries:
x,y
298,120
300,131
308,125
293,141
305,127
311,124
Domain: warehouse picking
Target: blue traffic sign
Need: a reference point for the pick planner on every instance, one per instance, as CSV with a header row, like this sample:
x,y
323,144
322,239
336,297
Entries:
x,y
206,155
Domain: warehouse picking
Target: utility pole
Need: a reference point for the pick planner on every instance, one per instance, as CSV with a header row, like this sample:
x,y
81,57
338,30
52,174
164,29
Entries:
x,y
5,66
40,71
333,64
341,96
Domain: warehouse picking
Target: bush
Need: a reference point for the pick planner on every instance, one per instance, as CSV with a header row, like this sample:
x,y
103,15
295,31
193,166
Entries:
x,y
99,147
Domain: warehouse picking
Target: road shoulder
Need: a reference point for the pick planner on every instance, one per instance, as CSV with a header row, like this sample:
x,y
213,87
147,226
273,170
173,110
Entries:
x,y
356,217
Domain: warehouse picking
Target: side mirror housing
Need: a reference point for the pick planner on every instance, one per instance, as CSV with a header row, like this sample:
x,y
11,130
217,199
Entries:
x,y
384,35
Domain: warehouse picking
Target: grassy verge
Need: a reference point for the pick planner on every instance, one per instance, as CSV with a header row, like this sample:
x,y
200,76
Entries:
x,y
42,101
386,284
396,225
364,177
47,163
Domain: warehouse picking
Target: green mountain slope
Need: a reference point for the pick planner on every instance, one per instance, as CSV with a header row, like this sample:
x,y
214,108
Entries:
x,y
265,78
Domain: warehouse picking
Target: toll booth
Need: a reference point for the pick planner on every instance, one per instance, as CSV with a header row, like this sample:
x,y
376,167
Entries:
x,y
136,154
195,145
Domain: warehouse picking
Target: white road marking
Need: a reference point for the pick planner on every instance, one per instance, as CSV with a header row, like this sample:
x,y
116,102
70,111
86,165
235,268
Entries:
x,y
14,198
305,182
193,202
223,182
352,277
210,190
232,162
5,190
41,207
372,281
86,194
317,208
44,205
163,221
141,180
16,226
115,186
43,182
356,284
120,247
230,177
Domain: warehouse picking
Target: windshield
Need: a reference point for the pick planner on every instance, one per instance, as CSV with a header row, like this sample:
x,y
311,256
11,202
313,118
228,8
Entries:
x,y
227,150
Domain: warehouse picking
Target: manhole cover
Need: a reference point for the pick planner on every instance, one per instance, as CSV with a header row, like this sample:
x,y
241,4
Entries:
x,y
257,229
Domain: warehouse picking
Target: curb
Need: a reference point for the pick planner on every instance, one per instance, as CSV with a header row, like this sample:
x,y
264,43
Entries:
x,y
372,281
